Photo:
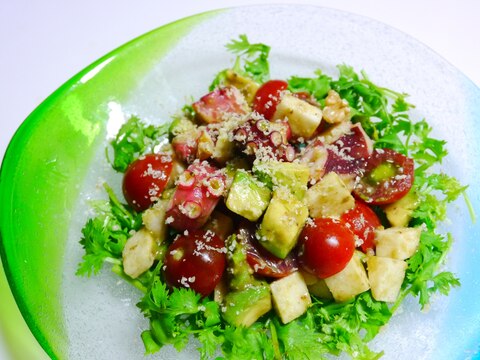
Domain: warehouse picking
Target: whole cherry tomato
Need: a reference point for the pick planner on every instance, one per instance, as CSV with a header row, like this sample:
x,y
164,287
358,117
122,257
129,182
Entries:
x,y
145,179
196,260
362,221
268,96
325,247
388,177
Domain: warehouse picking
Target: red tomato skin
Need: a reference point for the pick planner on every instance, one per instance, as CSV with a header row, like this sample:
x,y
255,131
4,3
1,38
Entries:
x,y
268,96
392,189
261,260
362,221
325,247
196,260
145,179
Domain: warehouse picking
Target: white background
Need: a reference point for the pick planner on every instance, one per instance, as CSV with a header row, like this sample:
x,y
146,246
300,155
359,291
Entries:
x,y
44,43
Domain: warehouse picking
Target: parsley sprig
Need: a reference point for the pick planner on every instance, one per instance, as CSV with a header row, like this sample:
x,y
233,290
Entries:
x,y
105,235
134,139
251,61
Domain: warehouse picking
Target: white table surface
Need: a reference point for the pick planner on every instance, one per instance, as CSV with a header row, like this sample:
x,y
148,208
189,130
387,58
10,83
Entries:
x,y
44,43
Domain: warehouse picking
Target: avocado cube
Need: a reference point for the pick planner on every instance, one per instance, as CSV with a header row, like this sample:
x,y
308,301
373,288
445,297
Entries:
x,y
386,277
247,86
293,176
397,242
282,223
320,289
243,308
247,196
400,212
290,297
349,282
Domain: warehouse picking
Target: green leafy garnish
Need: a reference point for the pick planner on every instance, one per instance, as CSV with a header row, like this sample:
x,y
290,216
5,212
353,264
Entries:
x,y
318,87
134,139
105,235
251,61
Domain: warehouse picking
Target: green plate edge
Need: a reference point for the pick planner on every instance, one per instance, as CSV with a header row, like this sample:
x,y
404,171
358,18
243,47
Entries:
x,y
43,166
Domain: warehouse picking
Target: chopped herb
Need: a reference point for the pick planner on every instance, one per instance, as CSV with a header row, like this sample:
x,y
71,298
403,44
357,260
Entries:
x,y
134,139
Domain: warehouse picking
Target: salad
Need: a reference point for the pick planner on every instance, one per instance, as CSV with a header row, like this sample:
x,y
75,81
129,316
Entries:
x,y
276,218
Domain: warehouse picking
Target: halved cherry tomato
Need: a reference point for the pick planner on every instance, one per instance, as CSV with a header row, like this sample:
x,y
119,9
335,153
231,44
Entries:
x,y
362,221
260,260
196,260
388,177
268,96
325,247
145,179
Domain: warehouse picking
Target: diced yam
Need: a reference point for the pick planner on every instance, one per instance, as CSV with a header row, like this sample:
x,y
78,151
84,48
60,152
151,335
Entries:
x,y
302,117
154,220
386,277
139,253
397,242
349,282
290,297
329,198
334,132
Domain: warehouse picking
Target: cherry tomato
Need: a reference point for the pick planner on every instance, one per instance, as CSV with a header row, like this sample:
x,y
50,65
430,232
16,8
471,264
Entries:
x,y
145,179
260,260
388,177
325,247
268,96
196,260
362,221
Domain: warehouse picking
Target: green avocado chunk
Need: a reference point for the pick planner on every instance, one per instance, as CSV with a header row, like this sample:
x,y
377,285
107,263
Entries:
x,y
283,174
282,223
247,196
243,308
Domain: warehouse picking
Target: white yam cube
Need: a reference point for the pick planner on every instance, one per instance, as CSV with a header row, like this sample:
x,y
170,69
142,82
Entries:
x,y
397,242
302,117
139,253
329,198
349,282
154,220
386,277
290,297
334,132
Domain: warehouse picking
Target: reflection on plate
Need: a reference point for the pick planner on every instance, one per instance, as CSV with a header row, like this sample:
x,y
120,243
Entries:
x,y
54,162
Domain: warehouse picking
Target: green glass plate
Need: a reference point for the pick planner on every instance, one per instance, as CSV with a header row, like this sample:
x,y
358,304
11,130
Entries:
x,y
56,161
42,171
